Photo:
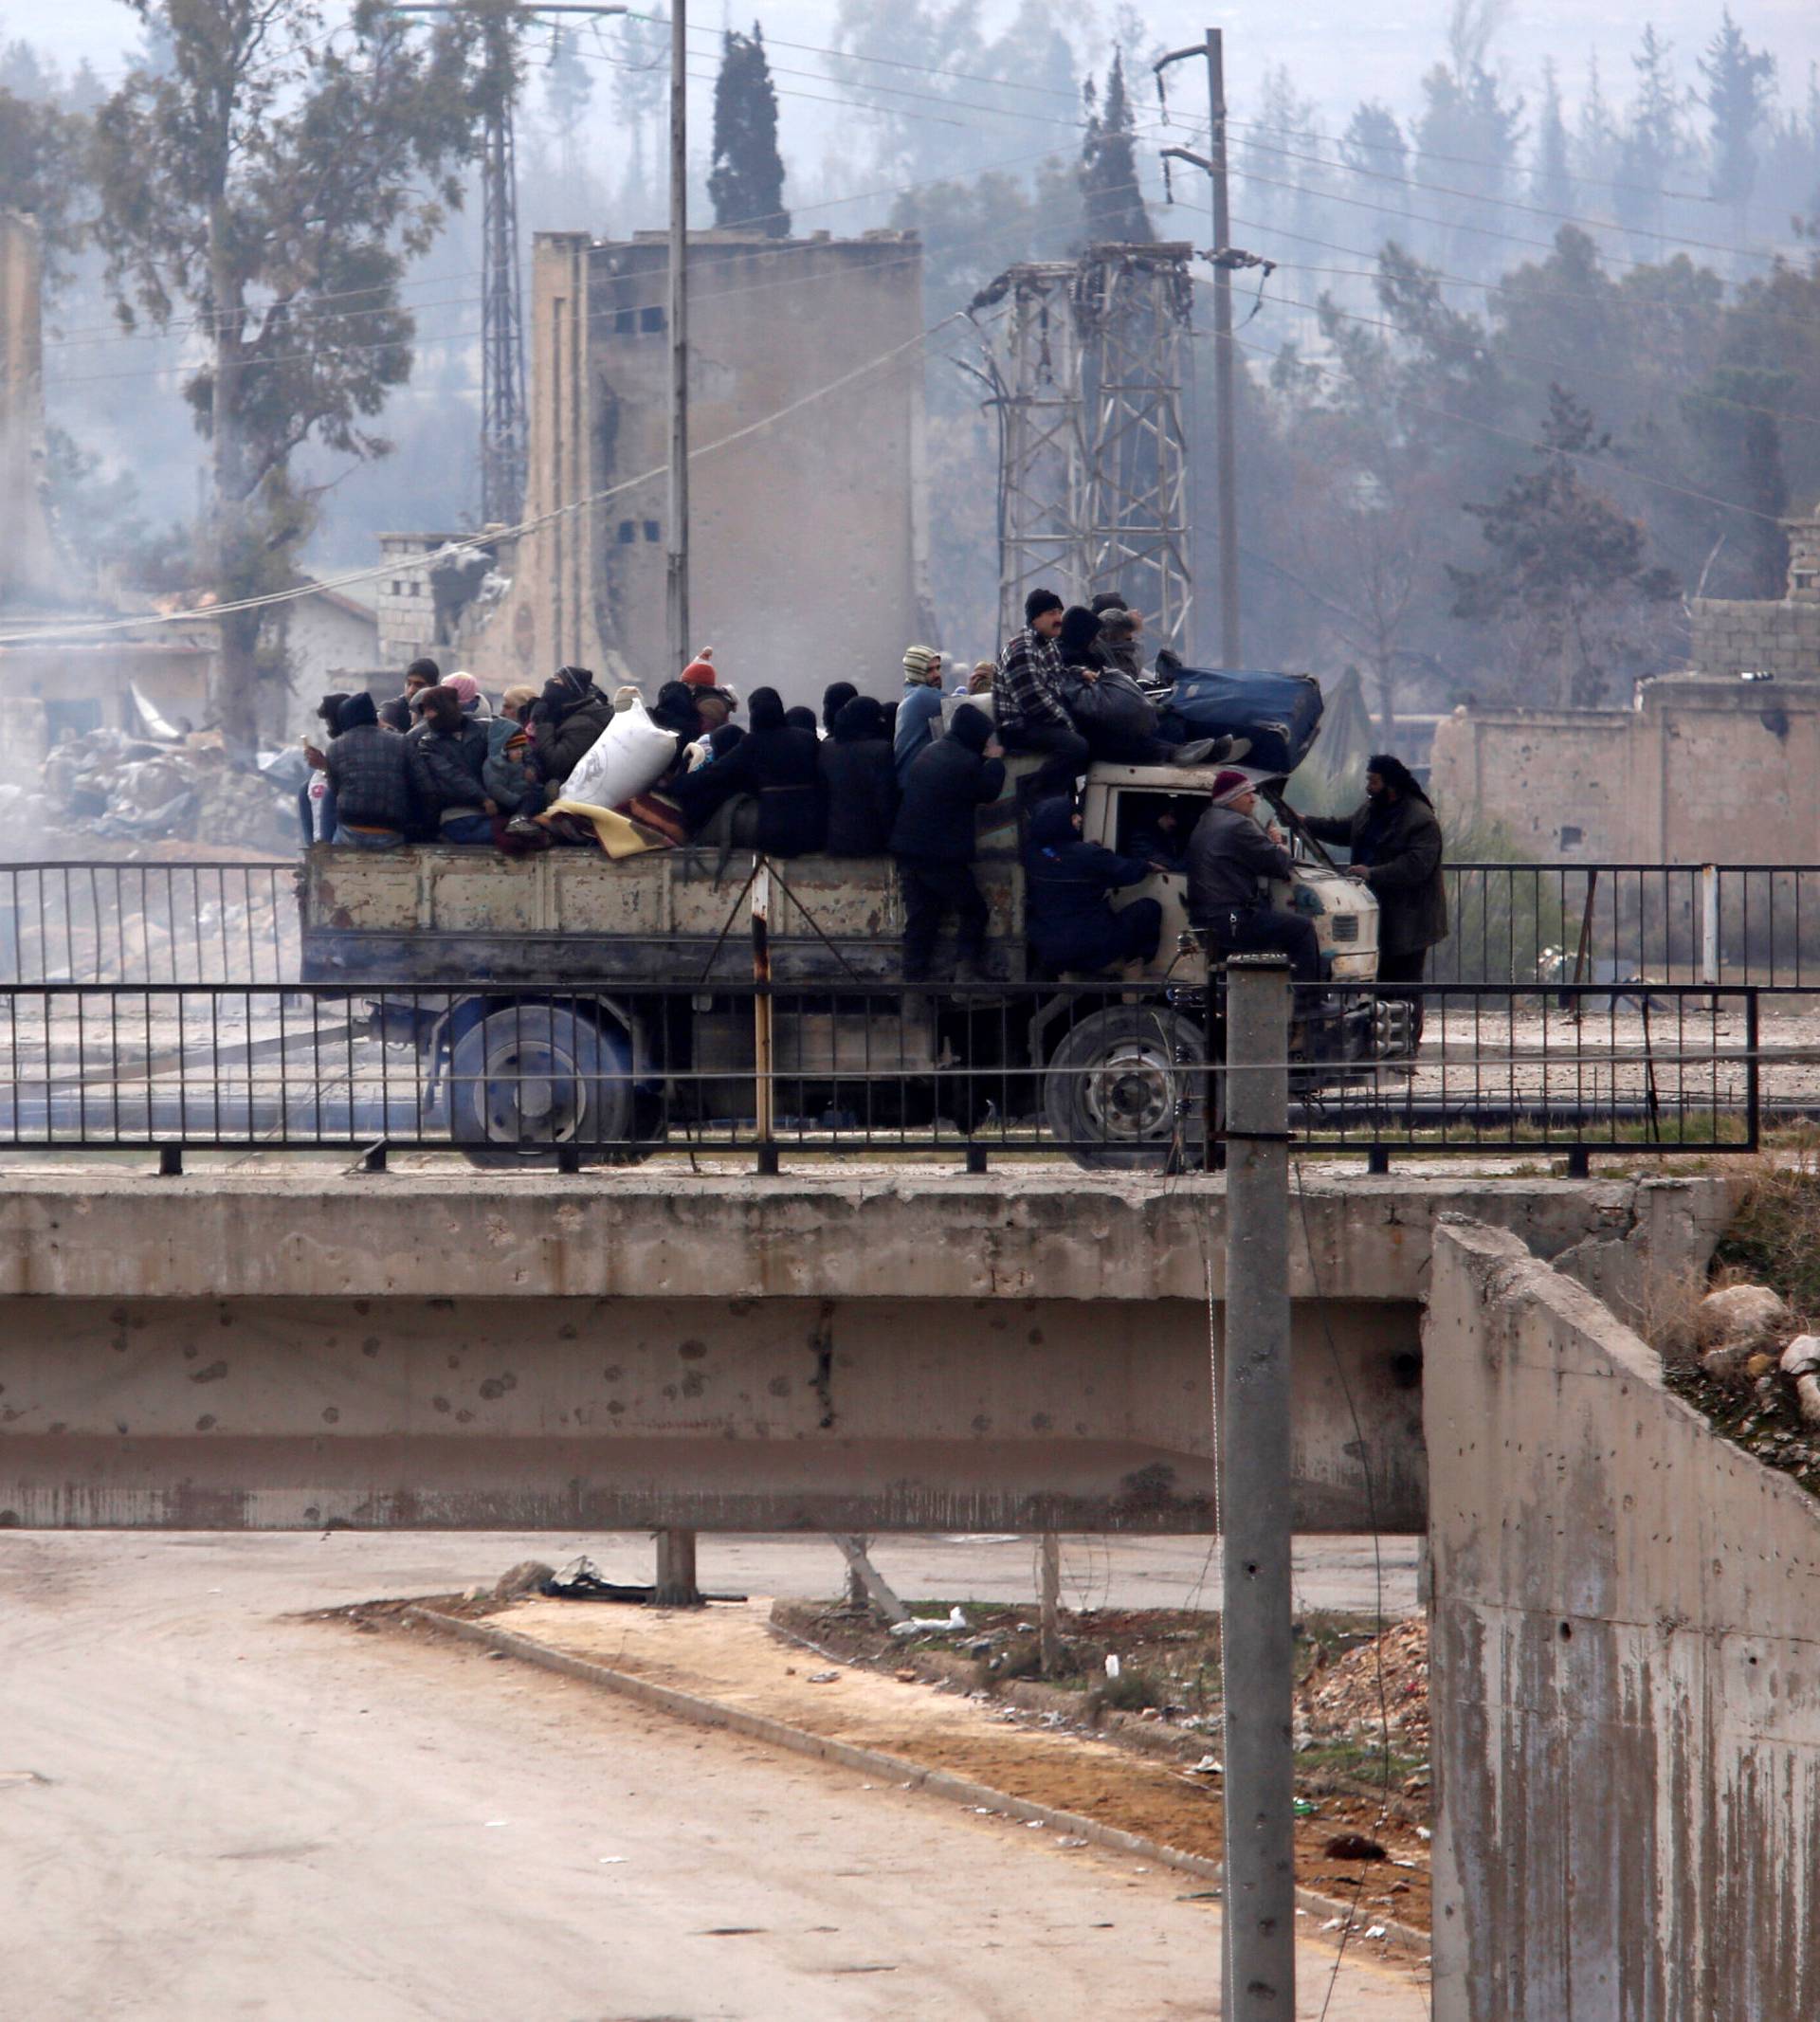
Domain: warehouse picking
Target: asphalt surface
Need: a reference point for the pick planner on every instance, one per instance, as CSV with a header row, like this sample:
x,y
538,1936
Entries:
x,y
208,1810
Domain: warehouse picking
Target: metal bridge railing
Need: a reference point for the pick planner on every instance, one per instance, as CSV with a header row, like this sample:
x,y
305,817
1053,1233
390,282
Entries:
x,y
828,1069
148,923
1700,923
1512,924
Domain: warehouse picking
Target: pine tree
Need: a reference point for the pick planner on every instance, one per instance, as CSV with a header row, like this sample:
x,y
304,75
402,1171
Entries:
x,y
1739,82
1112,201
1553,180
568,88
1568,571
747,179
1656,141
1373,141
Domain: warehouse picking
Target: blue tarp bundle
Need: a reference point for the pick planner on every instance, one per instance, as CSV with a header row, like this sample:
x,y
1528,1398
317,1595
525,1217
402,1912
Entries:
x,y
1279,714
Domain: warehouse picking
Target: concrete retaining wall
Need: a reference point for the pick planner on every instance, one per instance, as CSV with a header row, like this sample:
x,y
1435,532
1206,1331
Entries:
x,y
1625,1678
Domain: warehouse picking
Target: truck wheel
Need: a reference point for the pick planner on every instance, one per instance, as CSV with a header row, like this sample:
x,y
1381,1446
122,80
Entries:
x,y
1125,1091
529,1078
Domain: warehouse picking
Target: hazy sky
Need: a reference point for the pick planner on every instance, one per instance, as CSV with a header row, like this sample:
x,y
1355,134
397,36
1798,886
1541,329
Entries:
x,y
1337,56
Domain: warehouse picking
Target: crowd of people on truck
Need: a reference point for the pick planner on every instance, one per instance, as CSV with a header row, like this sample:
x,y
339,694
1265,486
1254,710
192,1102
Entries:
x,y
906,777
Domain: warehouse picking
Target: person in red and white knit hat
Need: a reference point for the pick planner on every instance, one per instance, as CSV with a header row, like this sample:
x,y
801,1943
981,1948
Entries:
x,y
714,702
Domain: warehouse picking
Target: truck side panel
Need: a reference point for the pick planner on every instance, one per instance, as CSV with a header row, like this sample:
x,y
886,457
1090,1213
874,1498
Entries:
x,y
572,917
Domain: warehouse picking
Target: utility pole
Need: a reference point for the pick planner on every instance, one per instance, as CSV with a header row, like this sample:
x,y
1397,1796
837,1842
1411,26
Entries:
x,y
504,415
1213,50
1256,1619
677,579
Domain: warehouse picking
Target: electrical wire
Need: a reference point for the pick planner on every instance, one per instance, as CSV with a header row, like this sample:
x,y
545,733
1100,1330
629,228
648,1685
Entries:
x,y
1496,353
1473,161
1510,202
478,542
1493,287
1511,435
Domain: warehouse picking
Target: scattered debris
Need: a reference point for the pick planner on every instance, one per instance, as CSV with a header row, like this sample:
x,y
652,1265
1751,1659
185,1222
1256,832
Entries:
x,y
528,1576
1386,1677
822,1678
1800,1364
109,784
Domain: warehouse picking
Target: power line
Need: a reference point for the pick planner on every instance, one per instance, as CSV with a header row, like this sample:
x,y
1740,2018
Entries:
x,y
1511,203
1493,287
478,542
1495,352
1040,208
1512,436
1469,161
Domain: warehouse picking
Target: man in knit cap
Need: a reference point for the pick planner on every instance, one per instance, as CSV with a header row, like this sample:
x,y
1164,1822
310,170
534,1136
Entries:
x,y
714,705
1228,857
920,707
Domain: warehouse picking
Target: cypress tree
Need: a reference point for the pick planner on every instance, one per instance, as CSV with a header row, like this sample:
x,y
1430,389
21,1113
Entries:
x,y
1115,205
747,178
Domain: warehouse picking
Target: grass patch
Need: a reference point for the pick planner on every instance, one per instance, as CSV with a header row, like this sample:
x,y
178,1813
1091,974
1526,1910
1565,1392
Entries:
x,y
1775,1238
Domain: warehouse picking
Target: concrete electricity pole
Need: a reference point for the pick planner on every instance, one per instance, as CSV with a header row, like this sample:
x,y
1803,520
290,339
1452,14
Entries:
x,y
1258,1656
1213,50
677,580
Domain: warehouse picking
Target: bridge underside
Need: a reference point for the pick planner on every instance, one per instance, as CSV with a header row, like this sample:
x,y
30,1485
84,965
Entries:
x,y
850,1350
564,1413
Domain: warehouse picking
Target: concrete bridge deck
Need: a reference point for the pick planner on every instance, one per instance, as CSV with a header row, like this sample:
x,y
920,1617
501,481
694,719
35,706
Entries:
x,y
874,1349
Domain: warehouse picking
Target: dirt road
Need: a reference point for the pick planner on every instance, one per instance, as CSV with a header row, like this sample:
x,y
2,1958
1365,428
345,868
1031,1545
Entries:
x,y
209,1812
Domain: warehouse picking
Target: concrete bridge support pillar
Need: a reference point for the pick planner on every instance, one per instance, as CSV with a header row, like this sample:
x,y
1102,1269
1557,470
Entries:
x,y
676,1586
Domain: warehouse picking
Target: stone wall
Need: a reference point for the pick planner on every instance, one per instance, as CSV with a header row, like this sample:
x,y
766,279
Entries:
x,y
1625,1673
1702,771
1735,637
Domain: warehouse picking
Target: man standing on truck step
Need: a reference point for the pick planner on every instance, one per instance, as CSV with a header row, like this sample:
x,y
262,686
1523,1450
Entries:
x,y
1026,697
1395,838
1068,884
1228,855
933,840
369,776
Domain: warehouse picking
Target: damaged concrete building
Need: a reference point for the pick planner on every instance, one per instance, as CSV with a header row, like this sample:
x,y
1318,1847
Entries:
x,y
807,538
53,685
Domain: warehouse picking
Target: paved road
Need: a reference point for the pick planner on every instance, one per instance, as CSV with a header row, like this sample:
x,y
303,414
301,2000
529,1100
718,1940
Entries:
x,y
209,1813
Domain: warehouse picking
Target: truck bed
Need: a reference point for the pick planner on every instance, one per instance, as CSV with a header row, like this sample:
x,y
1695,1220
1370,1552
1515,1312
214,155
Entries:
x,y
568,919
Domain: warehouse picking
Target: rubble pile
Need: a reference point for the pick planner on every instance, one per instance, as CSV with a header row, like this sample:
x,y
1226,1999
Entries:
x,y
1384,1677
1757,1379
108,784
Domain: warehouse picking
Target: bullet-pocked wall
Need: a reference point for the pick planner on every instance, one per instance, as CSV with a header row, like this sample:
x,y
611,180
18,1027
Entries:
x,y
806,540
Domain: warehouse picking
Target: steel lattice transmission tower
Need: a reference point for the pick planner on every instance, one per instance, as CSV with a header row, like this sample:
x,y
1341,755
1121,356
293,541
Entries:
x,y
1086,362
502,402
503,412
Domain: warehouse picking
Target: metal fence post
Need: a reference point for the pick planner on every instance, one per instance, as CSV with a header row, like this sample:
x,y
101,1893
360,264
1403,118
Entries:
x,y
764,1087
1258,1624
1709,924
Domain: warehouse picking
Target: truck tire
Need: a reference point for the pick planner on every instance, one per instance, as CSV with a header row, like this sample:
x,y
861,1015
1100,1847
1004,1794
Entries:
x,y
1126,1091
530,1080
